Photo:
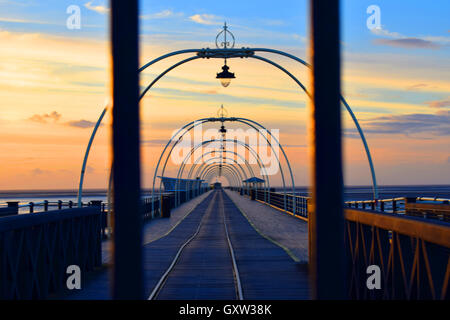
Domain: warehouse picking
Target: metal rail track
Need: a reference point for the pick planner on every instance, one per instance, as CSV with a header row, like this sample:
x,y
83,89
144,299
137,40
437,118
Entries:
x,y
237,278
159,286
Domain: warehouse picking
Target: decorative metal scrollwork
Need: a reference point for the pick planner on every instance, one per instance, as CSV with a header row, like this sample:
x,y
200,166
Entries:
x,y
224,43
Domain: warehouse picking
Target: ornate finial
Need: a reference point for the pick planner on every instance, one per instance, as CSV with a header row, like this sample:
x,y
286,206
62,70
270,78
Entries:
x,y
222,112
225,44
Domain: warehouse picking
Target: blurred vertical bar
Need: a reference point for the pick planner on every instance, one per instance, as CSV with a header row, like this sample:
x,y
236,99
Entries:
x,y
127,275
326,222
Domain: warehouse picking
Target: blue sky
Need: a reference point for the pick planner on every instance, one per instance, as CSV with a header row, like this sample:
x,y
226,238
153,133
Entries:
x,y
415,18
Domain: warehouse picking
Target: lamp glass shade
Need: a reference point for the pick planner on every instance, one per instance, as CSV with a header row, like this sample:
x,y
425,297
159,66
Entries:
x,y
225,82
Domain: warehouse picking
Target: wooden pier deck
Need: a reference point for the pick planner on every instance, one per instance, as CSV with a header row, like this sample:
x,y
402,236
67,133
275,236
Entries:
x,y
211,252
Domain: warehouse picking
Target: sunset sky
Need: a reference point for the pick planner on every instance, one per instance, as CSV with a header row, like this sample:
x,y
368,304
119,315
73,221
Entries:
x,y
54,83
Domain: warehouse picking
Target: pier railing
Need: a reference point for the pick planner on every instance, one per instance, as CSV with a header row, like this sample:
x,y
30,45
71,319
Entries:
x,y
423,207
277,199
37,249
413,255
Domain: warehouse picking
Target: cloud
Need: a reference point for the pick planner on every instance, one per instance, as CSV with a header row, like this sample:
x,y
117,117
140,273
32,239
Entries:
x,y
14,20
81,124
44,118
436,124
408,43
99,8
208,19
416,86
162,15
37,171
439,103
396,39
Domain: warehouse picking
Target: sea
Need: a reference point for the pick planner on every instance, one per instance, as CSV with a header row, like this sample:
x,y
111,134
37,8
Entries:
x,y
351,193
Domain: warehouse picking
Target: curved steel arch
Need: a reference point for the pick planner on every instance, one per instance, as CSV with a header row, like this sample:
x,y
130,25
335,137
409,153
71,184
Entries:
x,y
214,173
191,125
249,168
249,53
227,161
234,141
234,53
211,176
180,170
228,169
202,168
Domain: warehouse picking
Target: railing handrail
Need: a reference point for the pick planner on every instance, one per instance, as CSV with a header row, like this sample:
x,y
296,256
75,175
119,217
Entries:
x,y
433,231
27,220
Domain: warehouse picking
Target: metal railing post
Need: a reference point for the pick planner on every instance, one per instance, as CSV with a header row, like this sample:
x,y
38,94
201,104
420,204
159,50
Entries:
x,y
128,271
326,221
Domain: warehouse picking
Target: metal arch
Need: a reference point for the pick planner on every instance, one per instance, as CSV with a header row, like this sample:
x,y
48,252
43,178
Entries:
x,y
194,123
181,169
211,176
164,150
157,79
249,52
231,170
246,121
213,172
205,166
282,150
227,169
164,73
168,55
347,107
228,162
200,121
263,170
249,168
245,53
202,167
284,70
86,155
251,150
221,157
366,147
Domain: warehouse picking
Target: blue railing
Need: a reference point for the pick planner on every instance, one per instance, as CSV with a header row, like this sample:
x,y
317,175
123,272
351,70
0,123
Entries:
x,y
36,250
